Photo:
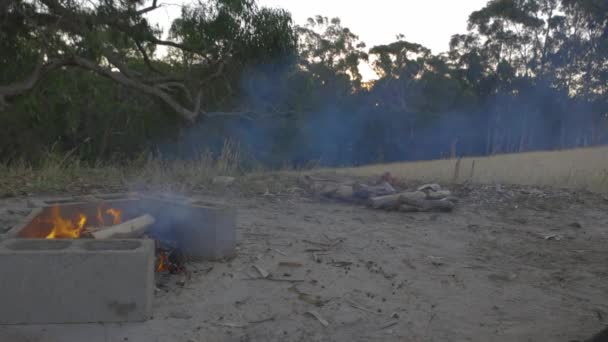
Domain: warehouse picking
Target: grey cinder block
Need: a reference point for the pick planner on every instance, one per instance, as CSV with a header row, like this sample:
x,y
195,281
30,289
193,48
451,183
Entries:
x,y
204,231
75,281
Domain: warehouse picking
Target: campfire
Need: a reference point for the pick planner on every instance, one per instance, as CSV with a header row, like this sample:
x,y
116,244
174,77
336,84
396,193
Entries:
x,y
180,226
73,228
65,222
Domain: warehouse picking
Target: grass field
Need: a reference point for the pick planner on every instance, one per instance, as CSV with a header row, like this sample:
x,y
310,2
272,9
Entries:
x,y
575,169
585,168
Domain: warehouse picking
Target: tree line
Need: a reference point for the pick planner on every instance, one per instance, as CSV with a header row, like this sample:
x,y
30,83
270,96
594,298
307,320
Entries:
x,y
97,80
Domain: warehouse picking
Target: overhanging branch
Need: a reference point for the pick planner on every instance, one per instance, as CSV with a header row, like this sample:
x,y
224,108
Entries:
x,y
22,86
148,9
146,57
185,113
68,20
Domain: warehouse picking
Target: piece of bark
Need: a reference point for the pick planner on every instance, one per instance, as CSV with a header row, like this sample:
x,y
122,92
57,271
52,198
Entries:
x,y
290,264
344,192
129,229
430,205
437,195
364,191
452,199
411,195
261,271
430,187
395,200
405,208
441,205
385,202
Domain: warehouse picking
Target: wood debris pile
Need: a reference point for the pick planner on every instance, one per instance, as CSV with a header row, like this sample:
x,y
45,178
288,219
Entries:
x,y
387,194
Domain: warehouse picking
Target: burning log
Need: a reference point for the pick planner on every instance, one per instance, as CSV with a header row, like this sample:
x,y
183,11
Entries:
x,y
129,229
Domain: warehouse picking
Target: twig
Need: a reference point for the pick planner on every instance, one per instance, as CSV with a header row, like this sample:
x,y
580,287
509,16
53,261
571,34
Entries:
x,y
290,264
261,271
279,251
278,280
359,306
230,325
272,318
318,243
318,317
205,271
388,325
340,263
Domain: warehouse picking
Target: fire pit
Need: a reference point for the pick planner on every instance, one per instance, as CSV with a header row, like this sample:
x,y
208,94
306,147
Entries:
x,y
201,230
107,249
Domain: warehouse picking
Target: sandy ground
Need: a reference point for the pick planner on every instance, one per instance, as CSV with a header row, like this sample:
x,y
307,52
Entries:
x,y
510,264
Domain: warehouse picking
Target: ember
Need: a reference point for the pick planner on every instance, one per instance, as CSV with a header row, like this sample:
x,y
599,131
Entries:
x,y
169,259
163,262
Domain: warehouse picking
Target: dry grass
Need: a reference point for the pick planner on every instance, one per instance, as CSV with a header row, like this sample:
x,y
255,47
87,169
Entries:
x,y
576,169
65,174
585,168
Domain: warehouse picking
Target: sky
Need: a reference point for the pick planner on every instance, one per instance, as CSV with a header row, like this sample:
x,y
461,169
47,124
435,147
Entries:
x,y
427,22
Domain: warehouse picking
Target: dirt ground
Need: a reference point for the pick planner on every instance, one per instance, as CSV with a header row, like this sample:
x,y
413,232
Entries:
x,y
509,264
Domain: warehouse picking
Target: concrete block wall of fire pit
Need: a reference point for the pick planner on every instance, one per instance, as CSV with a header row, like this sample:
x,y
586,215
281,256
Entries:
x,y
203,230
75,281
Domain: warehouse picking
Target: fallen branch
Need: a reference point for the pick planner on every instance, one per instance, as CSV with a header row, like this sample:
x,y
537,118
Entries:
x,y
428,205
364,191
394,201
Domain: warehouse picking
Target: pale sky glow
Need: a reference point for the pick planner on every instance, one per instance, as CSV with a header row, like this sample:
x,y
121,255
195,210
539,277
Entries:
x,y
427,22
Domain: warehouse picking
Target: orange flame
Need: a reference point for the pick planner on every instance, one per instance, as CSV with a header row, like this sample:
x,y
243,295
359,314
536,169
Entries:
x,y
116,215
163,262
100,220
65,228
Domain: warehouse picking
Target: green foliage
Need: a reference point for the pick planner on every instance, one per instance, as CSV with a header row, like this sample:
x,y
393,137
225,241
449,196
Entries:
x,y
76,111
529,74
326,47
